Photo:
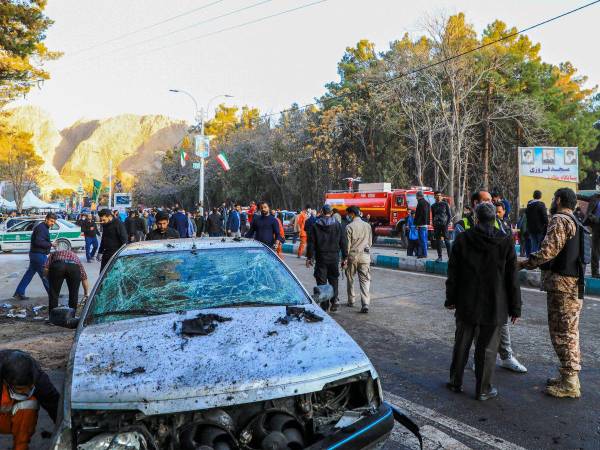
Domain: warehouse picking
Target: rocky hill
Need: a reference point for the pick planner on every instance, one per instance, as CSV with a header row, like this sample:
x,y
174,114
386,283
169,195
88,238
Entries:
x,y
83,150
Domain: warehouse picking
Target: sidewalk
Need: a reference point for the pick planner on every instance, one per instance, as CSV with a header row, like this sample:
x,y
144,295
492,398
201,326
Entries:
x,y
395,258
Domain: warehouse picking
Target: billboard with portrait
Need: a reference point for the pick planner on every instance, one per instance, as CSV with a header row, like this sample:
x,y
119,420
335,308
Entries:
x,y
546,169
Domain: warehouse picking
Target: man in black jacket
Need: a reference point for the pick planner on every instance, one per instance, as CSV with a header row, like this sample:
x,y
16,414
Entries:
x,y
422,219
537,221
114,236
38,253
90,232
483,288
163,231
592,219
214,224
325,243
441,216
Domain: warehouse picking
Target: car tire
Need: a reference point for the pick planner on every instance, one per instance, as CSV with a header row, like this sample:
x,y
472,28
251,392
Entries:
x,y
63,244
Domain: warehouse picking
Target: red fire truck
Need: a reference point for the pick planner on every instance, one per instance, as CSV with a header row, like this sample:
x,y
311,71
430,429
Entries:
x,y
388,208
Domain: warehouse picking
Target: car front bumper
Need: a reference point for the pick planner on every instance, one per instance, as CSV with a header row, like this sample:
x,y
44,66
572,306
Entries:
x,y
365,433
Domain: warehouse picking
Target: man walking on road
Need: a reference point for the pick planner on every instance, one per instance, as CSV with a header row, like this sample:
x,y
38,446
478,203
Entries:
x,y
323,250
179,221
163,231
422,218
90,232
114,236
301,222
234,222
507,358
561,258
483,288
265,228
359,239
537,221
441,215
38,253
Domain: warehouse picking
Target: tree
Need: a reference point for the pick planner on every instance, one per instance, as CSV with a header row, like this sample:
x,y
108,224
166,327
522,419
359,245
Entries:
x,y
19,163
22,53
61,194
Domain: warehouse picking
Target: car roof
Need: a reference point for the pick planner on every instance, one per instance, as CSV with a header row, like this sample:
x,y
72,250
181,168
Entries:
x,y
188,244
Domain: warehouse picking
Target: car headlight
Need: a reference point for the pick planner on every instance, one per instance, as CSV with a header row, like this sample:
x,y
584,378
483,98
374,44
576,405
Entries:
x,y
130,440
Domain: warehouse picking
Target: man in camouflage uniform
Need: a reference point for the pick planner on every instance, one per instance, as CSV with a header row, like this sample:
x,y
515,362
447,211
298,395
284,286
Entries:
x,y
564,304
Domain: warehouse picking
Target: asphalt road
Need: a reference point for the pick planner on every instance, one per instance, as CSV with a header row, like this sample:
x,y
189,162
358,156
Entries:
x,y
409,335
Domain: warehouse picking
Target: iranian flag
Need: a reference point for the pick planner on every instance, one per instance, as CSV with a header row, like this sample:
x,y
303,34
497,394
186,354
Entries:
x,y
183,157
223,161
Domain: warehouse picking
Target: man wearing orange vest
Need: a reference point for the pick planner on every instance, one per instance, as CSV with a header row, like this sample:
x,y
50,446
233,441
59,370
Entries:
x,y
302,232
25,386
279,249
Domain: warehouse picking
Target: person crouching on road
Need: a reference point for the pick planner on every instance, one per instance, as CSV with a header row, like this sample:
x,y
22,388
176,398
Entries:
x,y
562,275
483,288
359,240
163,231
265,228
65,265
24,387
114,236
324,246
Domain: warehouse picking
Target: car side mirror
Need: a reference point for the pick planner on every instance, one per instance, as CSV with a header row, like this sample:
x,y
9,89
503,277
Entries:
x,y
322,293
63,316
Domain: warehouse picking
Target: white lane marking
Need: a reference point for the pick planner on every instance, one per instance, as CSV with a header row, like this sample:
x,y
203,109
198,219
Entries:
x,y
431,275
452,424
433,439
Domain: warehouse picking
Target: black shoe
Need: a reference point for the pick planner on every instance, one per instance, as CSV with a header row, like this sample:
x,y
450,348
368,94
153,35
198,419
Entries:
x,y
364,309
350,305
493,393
454,388
20,297
333,307
439,259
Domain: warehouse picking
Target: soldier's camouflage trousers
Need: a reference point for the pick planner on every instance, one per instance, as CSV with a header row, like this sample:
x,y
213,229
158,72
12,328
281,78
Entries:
x,y
563,321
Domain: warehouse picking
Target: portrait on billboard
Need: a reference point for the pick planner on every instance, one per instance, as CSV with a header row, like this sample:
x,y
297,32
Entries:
x,y
527,156
570,157
548,156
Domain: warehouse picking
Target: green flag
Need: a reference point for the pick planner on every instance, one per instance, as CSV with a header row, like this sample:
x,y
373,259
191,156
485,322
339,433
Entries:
x,y
96,191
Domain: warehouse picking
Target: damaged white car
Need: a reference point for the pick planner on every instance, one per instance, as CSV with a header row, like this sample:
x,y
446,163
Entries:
x,y
214,344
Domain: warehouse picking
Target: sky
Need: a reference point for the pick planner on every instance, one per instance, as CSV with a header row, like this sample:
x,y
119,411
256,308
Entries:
x,y
123,56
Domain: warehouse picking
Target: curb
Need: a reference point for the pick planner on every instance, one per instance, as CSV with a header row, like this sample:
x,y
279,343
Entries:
x,y
412,264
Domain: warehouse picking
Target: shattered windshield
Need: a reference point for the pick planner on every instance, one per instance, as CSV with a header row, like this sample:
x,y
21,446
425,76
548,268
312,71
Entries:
x,y
157,283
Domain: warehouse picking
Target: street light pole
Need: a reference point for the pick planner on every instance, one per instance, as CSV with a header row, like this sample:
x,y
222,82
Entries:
x,y
199,116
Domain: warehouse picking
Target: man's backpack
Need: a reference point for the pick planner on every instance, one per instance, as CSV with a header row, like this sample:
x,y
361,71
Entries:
x,y
585,241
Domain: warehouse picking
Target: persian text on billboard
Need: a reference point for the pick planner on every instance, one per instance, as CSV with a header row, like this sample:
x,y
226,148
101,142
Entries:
x,y
557,163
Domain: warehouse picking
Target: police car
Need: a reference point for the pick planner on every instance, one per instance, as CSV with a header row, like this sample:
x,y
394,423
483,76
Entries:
x,y
65,234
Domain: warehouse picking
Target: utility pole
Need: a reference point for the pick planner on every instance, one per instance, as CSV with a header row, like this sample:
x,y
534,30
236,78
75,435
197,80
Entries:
x,y
199,116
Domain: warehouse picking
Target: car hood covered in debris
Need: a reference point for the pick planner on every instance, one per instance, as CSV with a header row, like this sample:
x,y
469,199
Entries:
x,y
148,364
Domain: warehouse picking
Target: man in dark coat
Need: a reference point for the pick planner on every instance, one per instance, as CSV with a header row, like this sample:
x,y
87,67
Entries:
x,y
179,221
265,228
114,236
90,232
483,288
537,221
441,216
422,219
214,224
592,219
162,231
326,242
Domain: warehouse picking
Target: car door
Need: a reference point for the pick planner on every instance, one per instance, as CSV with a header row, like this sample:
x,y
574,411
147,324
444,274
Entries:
x,y
18,237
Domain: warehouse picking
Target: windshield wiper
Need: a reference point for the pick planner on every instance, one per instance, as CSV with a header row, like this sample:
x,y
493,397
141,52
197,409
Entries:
x,y
130,312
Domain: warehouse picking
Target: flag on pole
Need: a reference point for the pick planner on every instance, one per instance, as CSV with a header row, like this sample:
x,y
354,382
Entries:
x,y
96,190
223,161
183,157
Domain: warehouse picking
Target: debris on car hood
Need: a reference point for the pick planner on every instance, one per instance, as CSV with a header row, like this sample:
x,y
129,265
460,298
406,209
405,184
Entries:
x,y
298,313
242,361
202,324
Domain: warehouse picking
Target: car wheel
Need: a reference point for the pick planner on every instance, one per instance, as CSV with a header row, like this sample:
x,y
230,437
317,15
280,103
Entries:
x,y
63,244
400,234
